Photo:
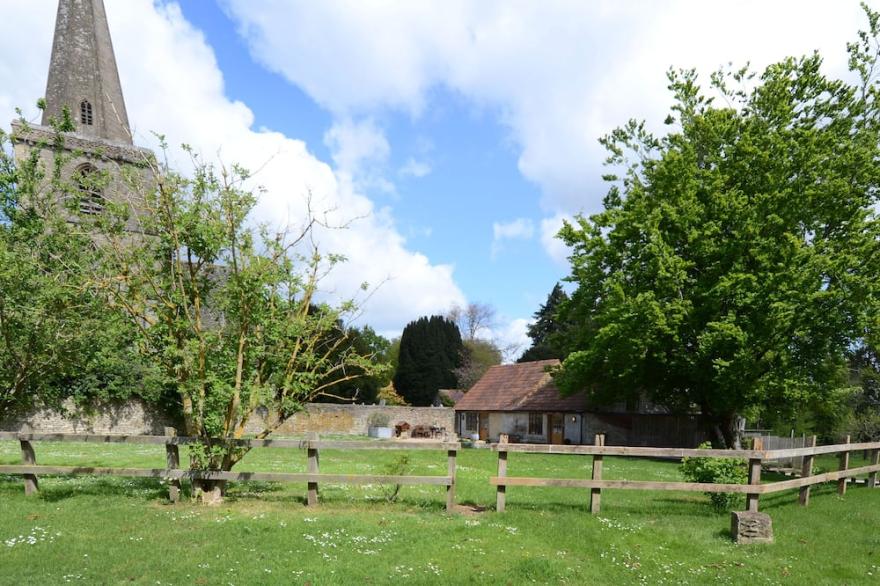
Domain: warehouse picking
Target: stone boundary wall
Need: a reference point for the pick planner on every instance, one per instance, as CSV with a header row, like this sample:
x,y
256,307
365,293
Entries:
x,y
132,417
136,418
354,419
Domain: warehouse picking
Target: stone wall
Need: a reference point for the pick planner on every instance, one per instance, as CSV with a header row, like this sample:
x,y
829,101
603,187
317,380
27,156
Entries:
x,y
132,417
354,419
136,418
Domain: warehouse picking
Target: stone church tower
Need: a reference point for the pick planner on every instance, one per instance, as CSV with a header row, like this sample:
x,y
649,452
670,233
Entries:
x,y
84,80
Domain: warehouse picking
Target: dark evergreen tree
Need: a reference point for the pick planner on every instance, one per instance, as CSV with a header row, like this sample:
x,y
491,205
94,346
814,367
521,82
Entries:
x,y
547,333
430,351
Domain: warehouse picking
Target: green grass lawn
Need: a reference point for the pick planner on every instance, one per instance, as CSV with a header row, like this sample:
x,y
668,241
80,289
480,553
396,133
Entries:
x,y
118,530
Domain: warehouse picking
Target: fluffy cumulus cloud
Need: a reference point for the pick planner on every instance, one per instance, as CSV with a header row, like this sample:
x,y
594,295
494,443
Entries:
x,y
561,74
359,150
173,85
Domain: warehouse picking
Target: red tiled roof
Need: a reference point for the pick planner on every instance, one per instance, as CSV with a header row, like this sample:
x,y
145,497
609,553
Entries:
x,y
519,387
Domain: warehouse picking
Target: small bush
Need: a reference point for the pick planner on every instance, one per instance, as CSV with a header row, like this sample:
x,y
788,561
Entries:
x,y
378,420
399,467
718,471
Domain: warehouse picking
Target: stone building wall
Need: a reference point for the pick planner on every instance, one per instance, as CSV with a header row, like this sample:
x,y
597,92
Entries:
x,y
135,418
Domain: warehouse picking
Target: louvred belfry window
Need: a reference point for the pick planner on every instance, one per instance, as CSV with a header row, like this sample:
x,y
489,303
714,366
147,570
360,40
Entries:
x,y
86,115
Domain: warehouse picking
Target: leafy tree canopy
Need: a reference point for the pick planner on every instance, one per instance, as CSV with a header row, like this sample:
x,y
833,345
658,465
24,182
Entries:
x,y
59,340
737,257
228,310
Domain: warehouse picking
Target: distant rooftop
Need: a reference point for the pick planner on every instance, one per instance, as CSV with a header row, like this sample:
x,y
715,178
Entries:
x,y
526,386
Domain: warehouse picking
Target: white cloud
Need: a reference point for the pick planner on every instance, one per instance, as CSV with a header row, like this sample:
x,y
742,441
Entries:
x,y
173,85
553,246
414,168
355,144
360,151
562,74
519,229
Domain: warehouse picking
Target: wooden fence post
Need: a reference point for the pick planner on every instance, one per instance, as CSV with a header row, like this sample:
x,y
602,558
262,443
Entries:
x,y
29,458
172,462
872,477
450,488
596,493
313,468
501,491
844,464
807,470
754,477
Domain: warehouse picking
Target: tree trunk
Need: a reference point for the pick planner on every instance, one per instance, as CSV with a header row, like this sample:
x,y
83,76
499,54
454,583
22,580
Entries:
x,y
211,492
724,430
730,429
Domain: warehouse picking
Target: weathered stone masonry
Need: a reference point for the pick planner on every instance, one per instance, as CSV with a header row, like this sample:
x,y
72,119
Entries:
x,y
136,418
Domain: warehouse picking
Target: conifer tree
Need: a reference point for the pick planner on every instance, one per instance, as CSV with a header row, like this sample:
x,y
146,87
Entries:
x,y
430,351
547,331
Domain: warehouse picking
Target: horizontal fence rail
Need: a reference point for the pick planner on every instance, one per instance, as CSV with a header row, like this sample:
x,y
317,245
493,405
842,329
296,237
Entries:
x,y
31,471
593,450
244,443
753,489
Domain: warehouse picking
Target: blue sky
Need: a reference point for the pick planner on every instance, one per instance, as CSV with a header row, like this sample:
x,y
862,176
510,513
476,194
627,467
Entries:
x,y
448,214
461,131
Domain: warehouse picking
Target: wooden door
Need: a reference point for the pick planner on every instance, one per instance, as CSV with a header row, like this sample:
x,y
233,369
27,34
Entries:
x,y
557,428
484,426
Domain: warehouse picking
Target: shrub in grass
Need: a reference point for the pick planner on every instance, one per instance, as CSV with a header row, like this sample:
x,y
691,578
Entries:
x,y
399,467
717,471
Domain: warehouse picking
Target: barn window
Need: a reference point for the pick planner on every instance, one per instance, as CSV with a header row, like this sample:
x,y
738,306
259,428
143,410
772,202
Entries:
x,y
470,422
536,424
86,116
91,198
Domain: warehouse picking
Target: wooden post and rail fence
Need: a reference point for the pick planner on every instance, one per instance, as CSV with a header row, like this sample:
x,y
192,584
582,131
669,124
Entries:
x,y
752,490
172,472
31,471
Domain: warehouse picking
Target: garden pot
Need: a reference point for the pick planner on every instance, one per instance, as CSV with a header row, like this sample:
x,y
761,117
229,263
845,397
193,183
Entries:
x,y
380,432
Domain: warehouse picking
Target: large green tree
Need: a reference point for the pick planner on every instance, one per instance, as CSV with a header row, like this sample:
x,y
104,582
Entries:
x,y
229,310
737,257
430,351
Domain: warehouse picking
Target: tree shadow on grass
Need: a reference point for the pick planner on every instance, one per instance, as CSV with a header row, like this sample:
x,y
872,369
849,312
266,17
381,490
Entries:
x,y
59,488
787,498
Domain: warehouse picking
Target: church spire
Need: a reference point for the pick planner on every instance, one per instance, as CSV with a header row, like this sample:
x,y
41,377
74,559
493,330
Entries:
x,y
83,74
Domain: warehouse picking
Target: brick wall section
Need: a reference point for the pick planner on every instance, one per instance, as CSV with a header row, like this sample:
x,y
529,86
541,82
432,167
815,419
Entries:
x,y
136,418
